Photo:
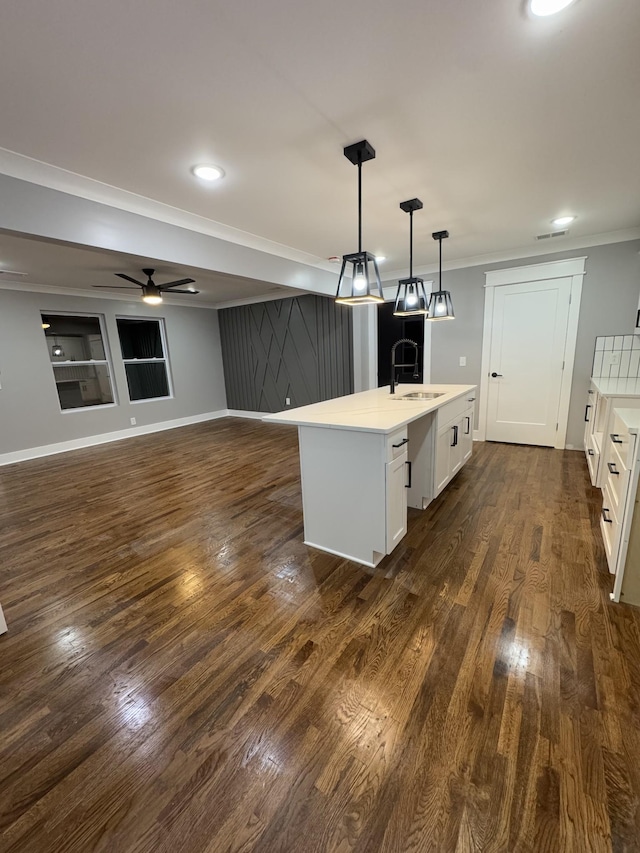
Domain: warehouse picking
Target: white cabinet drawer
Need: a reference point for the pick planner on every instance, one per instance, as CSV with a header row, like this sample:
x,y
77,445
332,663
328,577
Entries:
x,y
616,484
396,444
624,444
611,528
453,410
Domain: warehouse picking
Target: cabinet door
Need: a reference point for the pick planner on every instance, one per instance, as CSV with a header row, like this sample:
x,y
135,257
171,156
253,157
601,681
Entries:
x,y
396,501
589,419
444,441
456,452
466,435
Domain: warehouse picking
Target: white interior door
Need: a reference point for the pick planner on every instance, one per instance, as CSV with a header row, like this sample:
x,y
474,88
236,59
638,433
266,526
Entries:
x,y
528,340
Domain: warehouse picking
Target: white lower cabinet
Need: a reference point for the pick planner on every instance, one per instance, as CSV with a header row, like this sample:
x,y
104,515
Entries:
x,y
454,441
396,497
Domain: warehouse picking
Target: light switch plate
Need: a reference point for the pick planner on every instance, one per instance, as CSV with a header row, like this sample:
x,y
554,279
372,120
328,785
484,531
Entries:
x,y
615,358
287,401
133,421
463,361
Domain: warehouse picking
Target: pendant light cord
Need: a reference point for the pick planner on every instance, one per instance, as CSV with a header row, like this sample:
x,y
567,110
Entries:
x,y
440,272
411,244
359,203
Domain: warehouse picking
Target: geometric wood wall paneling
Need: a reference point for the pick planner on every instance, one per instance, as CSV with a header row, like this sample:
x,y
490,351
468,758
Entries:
x,y
300,347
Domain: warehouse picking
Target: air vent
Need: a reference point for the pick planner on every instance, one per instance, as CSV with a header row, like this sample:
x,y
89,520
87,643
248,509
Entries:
x,y
12,273
552,234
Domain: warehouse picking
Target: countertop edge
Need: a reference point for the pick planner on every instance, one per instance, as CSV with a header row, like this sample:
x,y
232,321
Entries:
x,y
424,409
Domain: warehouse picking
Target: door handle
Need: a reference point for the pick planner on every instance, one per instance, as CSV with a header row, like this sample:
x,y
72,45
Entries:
x,y
495,375
408,485
604,517
591,452
612,468
615,438
586,413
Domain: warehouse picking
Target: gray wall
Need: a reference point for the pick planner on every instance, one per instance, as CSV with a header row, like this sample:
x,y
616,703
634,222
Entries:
x,y
30,413
299,347
609,302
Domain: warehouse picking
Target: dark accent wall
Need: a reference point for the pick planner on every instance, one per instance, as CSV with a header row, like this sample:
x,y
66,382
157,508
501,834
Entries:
x,y
299,347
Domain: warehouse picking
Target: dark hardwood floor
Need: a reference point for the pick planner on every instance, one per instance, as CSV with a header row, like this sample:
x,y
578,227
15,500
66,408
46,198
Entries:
x,y
182,674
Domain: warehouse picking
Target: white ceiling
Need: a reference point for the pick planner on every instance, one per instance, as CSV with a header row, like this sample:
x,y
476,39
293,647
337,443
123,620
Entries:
x,y
68,269
496,120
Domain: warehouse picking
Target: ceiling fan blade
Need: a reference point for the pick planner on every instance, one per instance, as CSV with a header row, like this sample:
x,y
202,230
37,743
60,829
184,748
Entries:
x,y
192,292
128,278
177,283
113,286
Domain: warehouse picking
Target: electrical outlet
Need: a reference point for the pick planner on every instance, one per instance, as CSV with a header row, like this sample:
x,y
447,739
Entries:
x,y
133,421
463,361
615,358
287,401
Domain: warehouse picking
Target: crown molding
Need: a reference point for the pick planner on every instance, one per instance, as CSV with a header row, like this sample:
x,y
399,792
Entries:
x,y
523,252
53,177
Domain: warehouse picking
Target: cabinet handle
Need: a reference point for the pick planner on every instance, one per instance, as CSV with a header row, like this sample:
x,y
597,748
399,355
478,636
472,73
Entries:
x,y
590,391
615,438
408,485
455,436
471,399
591,452
586,412
604,517
612,468
404,441
468,425
638,319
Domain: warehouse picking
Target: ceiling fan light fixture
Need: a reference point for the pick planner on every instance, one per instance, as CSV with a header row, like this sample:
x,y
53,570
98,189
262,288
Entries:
x,y
544,8
411,297
359,281
151,295
208,172
440,303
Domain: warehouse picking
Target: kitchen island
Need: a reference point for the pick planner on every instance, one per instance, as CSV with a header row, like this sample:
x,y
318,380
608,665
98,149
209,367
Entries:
x,y
365,457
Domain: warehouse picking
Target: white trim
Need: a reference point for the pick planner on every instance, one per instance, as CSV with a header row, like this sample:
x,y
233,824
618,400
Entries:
x,y
476,435
571,268
536,272
3,622
105,438
570,244
241,413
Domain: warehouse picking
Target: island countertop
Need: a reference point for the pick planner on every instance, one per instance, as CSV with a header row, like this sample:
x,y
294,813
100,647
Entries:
x,y
371,411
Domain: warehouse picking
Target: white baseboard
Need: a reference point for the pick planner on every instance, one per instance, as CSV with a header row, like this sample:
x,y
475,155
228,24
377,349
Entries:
x,y
240,413
3,622
476,435
104,438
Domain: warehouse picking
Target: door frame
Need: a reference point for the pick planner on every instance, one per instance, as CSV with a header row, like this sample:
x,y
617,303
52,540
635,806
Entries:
x,y
570,268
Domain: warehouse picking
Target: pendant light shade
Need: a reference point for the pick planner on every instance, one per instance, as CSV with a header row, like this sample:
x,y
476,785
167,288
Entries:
x,y
359,282
411,297
440,304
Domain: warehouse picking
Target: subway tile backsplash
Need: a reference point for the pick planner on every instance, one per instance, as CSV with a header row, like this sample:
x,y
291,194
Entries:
x,y
617,357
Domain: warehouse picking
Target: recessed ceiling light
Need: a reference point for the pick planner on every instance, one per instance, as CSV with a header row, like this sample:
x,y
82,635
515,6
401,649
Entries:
x,y
208,172
562,221
381,258
542,8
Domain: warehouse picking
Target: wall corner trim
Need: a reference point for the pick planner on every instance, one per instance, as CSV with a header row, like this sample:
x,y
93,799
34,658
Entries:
x,y
105,438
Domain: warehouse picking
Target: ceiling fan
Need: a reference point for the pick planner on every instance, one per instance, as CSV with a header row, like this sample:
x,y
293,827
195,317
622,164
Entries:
x,y
151,292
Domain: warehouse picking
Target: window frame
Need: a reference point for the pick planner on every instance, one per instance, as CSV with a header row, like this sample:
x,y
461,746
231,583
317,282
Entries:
x,y
165,358
107,361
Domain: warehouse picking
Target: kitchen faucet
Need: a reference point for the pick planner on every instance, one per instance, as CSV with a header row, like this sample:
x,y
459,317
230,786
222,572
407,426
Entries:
x,y
395,366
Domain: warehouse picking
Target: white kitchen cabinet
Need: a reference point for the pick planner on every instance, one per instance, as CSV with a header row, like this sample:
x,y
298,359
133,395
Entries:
x,y
454,442
396,497
620,520
365,457
604,396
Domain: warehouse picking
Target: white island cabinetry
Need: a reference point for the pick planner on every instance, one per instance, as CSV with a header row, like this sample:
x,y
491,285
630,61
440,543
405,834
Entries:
x,y
365,457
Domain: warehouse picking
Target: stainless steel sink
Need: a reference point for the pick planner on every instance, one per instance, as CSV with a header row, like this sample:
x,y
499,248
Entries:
x,y
421,395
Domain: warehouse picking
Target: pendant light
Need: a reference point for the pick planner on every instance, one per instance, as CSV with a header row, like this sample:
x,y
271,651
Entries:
x,y
440,304
359,282
411,298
